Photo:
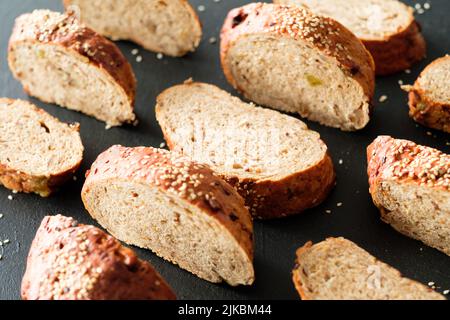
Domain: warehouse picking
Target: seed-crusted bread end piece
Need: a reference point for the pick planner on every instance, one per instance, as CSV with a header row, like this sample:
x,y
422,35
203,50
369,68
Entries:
x,y
386,27
429,98
72,261
337,269
179,209
410,184
289,59
38,153
59,60
274,161
169,26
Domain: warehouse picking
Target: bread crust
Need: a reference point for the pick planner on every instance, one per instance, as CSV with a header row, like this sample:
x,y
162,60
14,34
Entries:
x,y
105,270
424,109
68,33
265,18
28,183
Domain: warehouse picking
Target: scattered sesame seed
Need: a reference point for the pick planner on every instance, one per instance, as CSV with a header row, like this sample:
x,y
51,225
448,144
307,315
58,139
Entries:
x,y
134,52
139,59
431,283
212,40
417,6
1,215
159,56
408,71
108,126
201,8
15,192
10,197
400,82
429,133
6,241
426,6
339,204
341,161
383,98
446,292
420,11
74,178
328,211
162,145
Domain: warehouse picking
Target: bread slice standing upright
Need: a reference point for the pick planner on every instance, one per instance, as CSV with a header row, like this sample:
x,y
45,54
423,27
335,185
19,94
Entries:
x,y
410,184
38,153
337,269
59,60
429,97
169,26
386,27
179,209
289,59
274,161
72,261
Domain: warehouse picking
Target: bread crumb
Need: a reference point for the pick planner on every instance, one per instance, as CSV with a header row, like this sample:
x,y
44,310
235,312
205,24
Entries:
x,y
139,59
383,98
201,8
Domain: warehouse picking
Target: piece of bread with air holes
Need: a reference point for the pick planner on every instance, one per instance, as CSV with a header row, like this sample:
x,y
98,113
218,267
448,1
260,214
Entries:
x,y
38,153
289,59
386,27
72,261
337,269
429,97
275,162
410,184
59,60
167,26
179,209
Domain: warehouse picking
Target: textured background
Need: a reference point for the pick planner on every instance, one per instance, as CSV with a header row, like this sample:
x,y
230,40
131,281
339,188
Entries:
x,y
276,241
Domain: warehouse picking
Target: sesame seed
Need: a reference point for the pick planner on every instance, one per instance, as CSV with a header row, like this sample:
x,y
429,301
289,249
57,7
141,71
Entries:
x,y
139,59
328,211
212,40
400,82
431,283
162,145
1,215
201,8
383,98
6,241
339,204
426,5
159,56
134,52
446,292
74,178
341,161
408,71
10,197
417,6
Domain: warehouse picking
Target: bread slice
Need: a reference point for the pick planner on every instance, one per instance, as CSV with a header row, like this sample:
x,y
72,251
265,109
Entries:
x,y
179,209
71,261
38,153
337,269
170,26
429,98
274,161
289,59
59,60
386,27
410,184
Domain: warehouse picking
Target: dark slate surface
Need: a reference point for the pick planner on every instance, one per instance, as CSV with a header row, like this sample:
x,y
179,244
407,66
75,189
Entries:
x,y
276,241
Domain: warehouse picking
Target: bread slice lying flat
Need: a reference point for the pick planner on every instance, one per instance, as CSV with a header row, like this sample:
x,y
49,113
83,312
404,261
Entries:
x,y
170,26
289,59
410,184
71,261
177,208
59,60
38,153
386,27
429,98
337,269
274,161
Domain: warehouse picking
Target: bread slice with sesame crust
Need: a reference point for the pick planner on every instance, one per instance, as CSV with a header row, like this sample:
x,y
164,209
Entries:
x,y
429,97
72,261
179,209
337,269
167,26
386,27
275,162
59,60
289,59
38,153
410,184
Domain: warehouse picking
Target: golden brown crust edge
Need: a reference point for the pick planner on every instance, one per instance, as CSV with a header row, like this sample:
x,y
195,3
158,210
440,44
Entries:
x,y
296,278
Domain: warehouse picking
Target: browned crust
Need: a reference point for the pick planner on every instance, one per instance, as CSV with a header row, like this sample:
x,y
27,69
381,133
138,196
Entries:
x,y
43,185
105,269
77,38
296,278
255,18
399,51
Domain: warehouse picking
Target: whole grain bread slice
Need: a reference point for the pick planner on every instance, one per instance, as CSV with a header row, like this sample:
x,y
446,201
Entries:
x,y
170,26
429,97
410,184
386,27
289,59
59,60
72,261
38,153
275,162
179,209
337,269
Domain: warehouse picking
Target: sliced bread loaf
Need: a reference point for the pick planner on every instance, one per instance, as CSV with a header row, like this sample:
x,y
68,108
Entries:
x,y
59,60
177,208
71,261
289,59
170,26
274,161
386,27
337,269
429,98
410,184
38,153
